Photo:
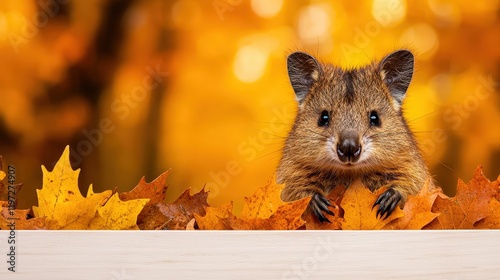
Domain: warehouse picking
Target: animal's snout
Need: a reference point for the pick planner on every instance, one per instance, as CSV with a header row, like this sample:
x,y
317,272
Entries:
x,y
348,148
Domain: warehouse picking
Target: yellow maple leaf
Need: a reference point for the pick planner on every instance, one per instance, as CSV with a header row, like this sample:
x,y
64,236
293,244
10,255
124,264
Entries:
x,y
265,210
358,209
118,214
64,207
60,200
264,202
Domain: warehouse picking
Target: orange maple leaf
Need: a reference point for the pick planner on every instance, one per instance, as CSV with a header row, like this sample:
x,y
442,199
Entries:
x,y
492,221
155,190
264,210
417,210
175,215
335,198
286,217
468,206
214,218
23,219
8,192
358,204
264,201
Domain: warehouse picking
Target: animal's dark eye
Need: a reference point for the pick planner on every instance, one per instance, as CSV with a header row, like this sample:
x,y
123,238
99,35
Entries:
x,y
324,118
374,119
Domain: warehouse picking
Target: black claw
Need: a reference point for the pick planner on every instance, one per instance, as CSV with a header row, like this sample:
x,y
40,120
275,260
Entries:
x,y
319,214
325,200
325,209
325,203
329,212
322,218
387,202
320,204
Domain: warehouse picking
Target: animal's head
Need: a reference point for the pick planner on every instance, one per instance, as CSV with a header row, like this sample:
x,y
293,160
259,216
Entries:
x,y
350,119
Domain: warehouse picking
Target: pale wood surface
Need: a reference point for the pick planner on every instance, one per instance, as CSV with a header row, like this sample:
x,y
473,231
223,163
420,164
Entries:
x,y
253,255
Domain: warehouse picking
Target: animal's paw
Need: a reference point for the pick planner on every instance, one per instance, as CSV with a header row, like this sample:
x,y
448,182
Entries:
x,y
320,204
387,202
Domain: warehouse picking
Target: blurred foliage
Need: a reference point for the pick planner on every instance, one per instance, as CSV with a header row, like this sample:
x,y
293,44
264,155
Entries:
x,y
138,87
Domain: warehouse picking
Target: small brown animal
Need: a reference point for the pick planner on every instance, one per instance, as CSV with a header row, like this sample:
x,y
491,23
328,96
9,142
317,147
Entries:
x,y
350,126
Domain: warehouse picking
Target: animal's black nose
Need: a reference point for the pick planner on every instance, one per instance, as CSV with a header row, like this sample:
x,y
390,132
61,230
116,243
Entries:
x,y
348,149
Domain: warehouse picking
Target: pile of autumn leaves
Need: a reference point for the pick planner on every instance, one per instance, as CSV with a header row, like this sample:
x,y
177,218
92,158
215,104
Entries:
x,y
61,206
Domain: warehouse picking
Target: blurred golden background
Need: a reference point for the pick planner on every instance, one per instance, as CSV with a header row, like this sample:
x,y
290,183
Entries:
x,y
140,86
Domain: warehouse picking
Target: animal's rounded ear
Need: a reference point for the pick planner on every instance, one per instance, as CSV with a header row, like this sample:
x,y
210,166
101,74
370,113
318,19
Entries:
x,y
396,71
303,71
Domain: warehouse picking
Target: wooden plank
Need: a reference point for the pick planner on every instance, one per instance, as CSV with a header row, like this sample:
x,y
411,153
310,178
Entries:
x,y
252,254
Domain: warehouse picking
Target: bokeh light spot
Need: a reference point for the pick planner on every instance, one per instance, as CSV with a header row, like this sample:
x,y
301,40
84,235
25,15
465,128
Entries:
x,y
250,63
445,11
267,8
389,12
423,38
314,23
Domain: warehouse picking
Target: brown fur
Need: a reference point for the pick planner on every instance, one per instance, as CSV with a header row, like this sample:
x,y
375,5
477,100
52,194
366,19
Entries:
x,y
392,159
